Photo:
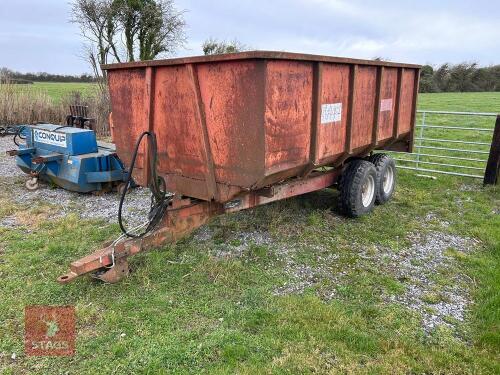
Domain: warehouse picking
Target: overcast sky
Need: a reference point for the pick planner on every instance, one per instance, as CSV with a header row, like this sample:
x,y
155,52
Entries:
x,y
35,35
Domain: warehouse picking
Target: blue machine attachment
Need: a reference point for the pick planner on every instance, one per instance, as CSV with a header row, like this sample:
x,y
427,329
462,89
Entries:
x,y
70,158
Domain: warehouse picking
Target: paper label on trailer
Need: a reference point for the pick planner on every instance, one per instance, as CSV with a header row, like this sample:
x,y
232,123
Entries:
x,y
331,113
49,138
385,105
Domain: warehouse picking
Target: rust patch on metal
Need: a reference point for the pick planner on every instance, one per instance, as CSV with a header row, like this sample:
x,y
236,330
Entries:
x,y
180,142
388,93
149,99
378,105
233,98
207,149
315,117
352,101
127,94
397,108
406,109
364,106
336,89
288,115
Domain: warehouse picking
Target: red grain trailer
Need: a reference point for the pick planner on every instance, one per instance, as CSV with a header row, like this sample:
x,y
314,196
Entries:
x,y
239,130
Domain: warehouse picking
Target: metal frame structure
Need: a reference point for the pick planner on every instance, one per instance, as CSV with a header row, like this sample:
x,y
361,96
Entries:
x,y
422,149
184,216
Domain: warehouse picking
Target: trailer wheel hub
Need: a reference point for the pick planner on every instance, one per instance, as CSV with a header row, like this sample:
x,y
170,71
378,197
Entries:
x,y
388,180
367,191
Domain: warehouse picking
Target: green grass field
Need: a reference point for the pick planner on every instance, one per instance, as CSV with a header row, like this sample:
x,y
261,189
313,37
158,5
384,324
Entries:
x,y
455,102
188,308
58,90
461,102
474,102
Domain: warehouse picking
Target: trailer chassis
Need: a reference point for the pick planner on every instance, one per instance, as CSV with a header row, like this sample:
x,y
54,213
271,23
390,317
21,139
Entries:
x,y
184,215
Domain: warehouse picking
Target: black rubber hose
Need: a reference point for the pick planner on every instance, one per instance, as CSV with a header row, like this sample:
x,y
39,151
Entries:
x,y
18,133
159,200
61,127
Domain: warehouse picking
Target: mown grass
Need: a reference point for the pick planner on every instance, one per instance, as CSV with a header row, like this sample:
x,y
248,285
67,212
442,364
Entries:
x,y
184,310
461,102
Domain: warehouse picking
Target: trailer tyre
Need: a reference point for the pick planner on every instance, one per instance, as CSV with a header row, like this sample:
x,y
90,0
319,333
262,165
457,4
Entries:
x,y
386,177
358,187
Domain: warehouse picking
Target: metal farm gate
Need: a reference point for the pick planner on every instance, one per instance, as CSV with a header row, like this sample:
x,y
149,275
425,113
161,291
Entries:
x,y
451,143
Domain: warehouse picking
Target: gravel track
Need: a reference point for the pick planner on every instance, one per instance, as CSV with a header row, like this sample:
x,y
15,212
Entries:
x,y
417,266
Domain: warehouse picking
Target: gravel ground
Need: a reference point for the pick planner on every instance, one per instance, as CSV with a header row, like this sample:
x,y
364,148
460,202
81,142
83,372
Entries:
x,y
415,267
419,268
8,167
88,206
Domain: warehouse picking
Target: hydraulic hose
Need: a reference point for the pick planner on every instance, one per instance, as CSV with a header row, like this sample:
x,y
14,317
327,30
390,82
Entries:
x,y
15,131
157,186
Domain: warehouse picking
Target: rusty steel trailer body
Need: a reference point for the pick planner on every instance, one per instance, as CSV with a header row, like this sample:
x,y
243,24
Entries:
x,y
239,130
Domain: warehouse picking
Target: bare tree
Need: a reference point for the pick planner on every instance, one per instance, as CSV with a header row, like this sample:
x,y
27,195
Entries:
x,y
4,75
214,47
95,20
128,30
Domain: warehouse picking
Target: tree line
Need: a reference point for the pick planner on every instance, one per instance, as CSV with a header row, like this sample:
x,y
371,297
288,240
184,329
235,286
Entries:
x,y
27,78
464,77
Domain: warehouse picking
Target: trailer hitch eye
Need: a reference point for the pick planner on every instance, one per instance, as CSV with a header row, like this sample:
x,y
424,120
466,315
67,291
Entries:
x,y
64,279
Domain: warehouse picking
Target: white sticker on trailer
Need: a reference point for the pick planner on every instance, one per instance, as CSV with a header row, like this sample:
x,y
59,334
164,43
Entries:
x,y
49,138
331,113
385,105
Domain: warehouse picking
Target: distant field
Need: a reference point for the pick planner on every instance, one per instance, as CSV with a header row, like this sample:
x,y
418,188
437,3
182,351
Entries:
x,y
58,90
435,142
470,101
461,101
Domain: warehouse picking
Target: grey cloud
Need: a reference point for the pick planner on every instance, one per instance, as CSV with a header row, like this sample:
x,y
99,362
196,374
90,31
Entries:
x,y
35,35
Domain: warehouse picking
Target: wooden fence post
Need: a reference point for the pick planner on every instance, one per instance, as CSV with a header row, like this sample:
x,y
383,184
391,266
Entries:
x,y
491,175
